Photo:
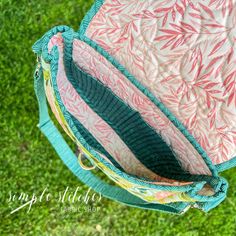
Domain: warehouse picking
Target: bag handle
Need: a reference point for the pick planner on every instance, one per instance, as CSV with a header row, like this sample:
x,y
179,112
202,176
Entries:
x,y
69,158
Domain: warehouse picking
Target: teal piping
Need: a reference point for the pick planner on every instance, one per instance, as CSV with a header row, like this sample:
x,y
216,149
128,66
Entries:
x,y
226,165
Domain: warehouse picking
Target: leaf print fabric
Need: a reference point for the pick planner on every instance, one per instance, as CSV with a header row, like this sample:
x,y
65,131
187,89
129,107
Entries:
x,y
184,52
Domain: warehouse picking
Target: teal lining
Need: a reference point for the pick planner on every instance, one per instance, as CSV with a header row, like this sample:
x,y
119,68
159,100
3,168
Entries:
x,y
218,183
141,139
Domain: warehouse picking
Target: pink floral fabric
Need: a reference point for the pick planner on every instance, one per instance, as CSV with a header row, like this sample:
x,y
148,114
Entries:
x,y
99,128
184,52
96,65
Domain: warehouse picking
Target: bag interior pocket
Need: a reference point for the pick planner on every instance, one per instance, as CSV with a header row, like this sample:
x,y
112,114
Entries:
x,y
143,141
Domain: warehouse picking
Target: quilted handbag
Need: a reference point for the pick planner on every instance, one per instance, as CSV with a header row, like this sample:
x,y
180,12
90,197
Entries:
x,y
146,90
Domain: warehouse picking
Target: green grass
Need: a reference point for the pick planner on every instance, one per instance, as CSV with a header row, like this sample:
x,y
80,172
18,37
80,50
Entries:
x,y
29,164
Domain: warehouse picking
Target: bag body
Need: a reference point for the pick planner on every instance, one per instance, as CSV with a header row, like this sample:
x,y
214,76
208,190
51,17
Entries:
x,y
123,117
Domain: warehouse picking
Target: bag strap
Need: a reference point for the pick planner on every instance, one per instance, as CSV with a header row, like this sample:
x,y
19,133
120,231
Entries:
x,y
69,158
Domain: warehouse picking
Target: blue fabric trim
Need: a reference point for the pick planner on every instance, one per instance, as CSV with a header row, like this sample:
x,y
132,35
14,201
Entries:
x,y
226,165
89,16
